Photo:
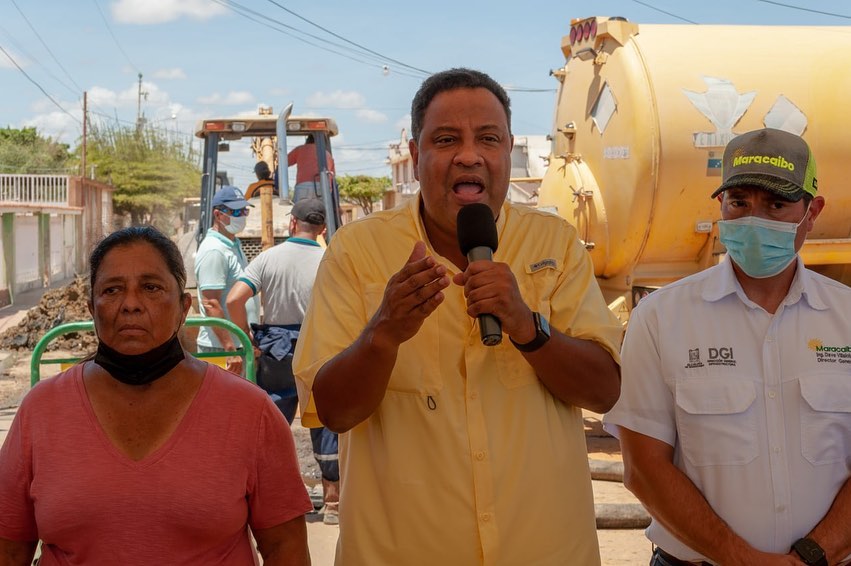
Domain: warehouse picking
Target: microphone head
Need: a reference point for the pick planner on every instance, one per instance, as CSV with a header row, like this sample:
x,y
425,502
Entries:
x,y
476,227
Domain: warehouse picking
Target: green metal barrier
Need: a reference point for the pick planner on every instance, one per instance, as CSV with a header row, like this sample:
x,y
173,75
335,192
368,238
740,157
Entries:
x,y
247,351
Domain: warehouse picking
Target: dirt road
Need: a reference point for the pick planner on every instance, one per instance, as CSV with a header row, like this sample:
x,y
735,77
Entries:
x,y
617,547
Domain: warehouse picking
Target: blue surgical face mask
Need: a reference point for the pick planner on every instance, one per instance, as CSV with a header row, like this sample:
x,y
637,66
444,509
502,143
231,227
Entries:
x,y
761,247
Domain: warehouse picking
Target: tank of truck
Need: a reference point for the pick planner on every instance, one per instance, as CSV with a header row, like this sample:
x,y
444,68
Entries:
x,y
643,114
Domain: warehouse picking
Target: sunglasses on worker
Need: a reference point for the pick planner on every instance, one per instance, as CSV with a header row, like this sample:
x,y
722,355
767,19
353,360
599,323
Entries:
x,y
235,212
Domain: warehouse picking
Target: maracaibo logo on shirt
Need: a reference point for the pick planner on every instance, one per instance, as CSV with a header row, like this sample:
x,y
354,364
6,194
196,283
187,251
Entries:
x,y
830,354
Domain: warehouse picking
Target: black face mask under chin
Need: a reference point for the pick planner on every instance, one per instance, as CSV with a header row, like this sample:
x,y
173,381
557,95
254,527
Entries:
x,y
140,369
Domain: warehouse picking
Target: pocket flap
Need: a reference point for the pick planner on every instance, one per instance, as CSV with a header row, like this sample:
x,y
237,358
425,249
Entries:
x,y
715,396
830,393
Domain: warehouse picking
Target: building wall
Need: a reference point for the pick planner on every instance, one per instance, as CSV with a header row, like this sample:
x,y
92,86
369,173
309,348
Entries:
x,y
26,252
49,226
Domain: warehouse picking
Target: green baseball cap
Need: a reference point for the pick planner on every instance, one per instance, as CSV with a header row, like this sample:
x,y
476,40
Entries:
x,y
770,159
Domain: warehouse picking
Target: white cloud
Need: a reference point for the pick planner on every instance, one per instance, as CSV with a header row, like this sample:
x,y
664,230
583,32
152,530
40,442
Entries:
x,y
170,74
6,62
371,116
232,98
404,122
99,96
152,97
57,125
161,11
336,99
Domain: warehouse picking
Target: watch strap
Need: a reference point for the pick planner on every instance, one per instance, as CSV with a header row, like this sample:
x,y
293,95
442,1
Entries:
x,y
810,552
542,335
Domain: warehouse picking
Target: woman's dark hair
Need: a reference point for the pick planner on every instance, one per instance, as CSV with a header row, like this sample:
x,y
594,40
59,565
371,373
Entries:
x,y
450,80
139,234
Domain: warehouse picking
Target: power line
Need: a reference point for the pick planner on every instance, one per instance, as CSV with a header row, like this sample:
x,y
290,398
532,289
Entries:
x,y
358,45
29,78
115,39
264,20
35,31
148,125
807,9
645,4
35,60
406,70
423,72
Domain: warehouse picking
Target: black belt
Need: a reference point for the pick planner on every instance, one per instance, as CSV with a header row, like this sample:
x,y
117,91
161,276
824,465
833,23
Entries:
x,y
662,558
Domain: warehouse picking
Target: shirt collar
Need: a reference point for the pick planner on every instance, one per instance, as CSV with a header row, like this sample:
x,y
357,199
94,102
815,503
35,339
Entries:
x,y
415,205
224,239
805,285
723,282
303,241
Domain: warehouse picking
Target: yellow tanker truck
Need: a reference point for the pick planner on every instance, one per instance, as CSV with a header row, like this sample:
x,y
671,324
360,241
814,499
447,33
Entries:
x,y
642,116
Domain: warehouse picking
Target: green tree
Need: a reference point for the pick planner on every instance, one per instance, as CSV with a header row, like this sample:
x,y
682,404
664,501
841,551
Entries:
x,y
150,172
26,152
363,190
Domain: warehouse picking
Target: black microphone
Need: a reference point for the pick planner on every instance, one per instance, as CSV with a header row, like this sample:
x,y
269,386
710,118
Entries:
x,y
478,240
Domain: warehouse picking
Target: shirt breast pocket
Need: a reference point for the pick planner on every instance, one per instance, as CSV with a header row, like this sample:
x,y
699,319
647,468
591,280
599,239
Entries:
x,y
417,368
716,421
536,288
826,418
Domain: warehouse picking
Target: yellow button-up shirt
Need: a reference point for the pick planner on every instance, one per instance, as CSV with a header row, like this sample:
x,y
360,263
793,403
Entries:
x,y
468,459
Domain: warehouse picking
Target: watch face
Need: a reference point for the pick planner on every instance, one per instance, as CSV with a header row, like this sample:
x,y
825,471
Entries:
x,y
809,550
542,335
545,325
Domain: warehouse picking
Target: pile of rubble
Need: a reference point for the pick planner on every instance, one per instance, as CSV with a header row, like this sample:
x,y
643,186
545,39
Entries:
x,y
57,306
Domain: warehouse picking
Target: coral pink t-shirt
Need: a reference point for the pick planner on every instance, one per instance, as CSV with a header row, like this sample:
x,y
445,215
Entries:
x,y
230,464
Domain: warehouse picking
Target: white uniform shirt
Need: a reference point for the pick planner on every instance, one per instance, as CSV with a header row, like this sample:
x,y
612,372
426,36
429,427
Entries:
x,y
756,406
285,274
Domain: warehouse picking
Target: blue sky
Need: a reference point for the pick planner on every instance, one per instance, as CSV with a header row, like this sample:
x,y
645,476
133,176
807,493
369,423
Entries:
x,y
202,58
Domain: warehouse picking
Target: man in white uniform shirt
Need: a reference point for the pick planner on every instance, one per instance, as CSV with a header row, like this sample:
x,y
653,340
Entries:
x,y
735,411
285,274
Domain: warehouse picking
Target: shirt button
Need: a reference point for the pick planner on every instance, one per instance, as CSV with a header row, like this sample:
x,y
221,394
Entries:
x,y
485,517
480,455
781,508
772,394
777,450
474,395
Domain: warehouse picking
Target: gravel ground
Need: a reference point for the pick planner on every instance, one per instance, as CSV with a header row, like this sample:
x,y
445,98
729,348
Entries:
x,y
14,378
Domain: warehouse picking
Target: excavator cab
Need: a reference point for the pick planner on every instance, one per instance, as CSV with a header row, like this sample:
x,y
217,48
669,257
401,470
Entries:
x,y
270,137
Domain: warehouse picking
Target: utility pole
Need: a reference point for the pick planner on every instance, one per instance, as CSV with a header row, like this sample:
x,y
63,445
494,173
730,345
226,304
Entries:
x,y
83,147
140,119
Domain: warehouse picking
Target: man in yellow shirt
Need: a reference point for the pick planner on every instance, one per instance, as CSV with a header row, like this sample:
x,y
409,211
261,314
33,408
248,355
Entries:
x,y
453,452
